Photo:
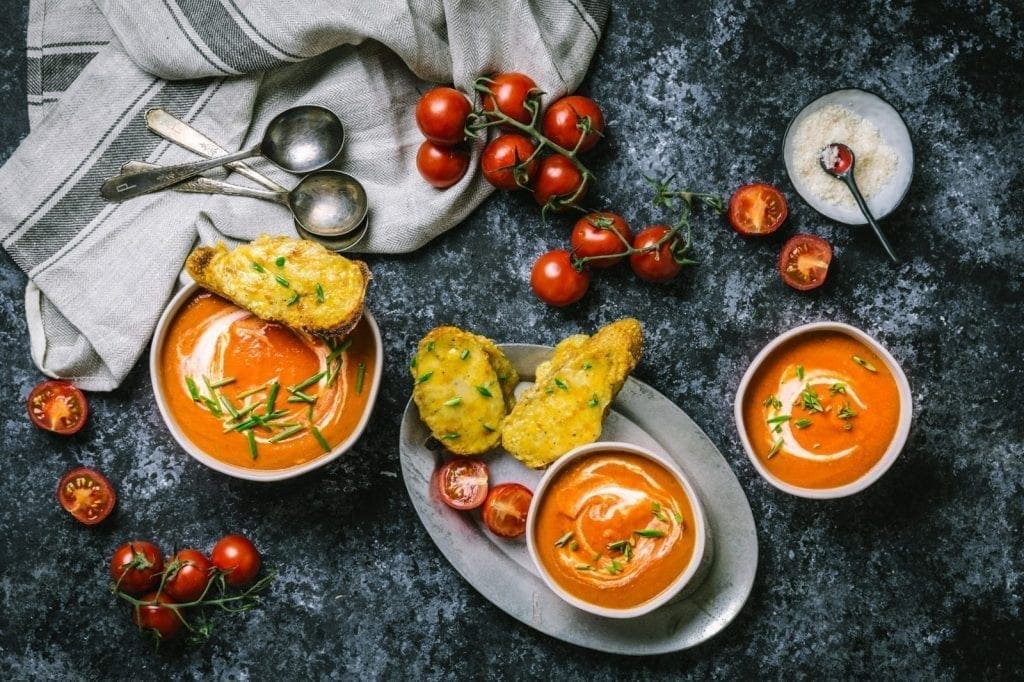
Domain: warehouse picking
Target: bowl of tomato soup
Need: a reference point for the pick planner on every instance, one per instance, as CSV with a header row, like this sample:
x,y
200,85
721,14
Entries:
x,y
254,399
616,530
823,410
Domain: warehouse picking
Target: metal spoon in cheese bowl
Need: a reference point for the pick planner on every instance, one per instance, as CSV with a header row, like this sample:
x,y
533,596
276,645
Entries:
x,y
299,140
838,160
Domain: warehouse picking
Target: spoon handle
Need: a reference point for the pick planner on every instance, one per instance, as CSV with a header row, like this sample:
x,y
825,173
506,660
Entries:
x,y
130,185
203,185
173,129
848,179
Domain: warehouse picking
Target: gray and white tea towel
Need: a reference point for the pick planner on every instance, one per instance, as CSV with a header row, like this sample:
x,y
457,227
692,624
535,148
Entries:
x,y
100,273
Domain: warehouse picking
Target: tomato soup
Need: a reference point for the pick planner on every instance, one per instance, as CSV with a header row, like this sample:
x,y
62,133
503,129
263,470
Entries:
x,y
256,394
821,410
615,529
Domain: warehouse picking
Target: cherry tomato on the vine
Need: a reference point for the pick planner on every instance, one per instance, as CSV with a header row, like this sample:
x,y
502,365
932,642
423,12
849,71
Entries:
x,y
441,166
503,161
237,558
58,406
559,183
506,508
441,115
804,261
597,234
555,281
509,94
655,265
188,581
463,482
757,209
86,494
162,620
568,118
136,566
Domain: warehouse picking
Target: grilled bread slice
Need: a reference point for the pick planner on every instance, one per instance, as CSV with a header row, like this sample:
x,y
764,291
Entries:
x,y
462,385
566,406
295,282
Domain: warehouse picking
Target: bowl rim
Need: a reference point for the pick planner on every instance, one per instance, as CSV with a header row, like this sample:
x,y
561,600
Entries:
x,y
677,585
259,475
899,438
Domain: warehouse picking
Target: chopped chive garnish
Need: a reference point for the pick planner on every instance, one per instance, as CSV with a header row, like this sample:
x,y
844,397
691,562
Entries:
x,y
837,388
650,533
252,443
276,414
775,448
488,427
450,436
282,281
272,396
464,354
658,514
574,545
222,382
213,406
309,382
561,384
246,425
228,406
593,402
430,347
193,390
246,410
425,376
320,438
412,362
779,419
339,350
560,542
319,293
257,267
452,402
294,298
279,262
678,517
800,372
587,364
360,377
502,377
809,399
802,423
846,412
484,391
251,391
300,397
287,433
864,363
772,401
615,567
309,413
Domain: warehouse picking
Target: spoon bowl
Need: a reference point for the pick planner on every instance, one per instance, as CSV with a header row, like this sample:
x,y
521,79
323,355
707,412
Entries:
x,y
328,203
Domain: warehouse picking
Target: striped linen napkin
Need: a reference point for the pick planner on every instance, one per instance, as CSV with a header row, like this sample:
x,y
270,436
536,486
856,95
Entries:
x,y
100,273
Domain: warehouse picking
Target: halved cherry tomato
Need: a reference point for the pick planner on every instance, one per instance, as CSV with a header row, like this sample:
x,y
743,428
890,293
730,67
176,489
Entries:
x,y
595,235
86,494
559,183
567,118
441,115
804,261
757,209
555,281
441,166
463,482
501,158
505,509
510,93
58,406
237,558
656,265
162,620
188,573
136,566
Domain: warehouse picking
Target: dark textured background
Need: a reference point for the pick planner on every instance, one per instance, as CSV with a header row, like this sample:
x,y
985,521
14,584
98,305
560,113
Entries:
x,y
919,576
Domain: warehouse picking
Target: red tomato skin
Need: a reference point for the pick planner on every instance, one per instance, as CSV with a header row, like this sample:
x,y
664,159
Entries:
x,y
136,580
189,583
463,470
441,115
510,93
496,520
441,166
555,281
654,266
558,178
237,558
818,247
563,116
502,154
736,207
588,239
159,619
61,401
98,504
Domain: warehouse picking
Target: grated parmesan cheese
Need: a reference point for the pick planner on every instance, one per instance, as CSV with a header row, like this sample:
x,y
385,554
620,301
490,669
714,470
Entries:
x,y
876,161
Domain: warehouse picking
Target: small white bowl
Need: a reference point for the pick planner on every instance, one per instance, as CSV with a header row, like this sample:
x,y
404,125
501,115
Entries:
x,y
262,475
693,571
899,438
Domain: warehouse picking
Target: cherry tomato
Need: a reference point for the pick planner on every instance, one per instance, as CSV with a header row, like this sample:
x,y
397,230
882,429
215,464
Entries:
x,y
658,265
558,181
463,483
505,509
162,620
58,406
510,93
188,581
441,166
86,494
567,118
238,558
501,157
757,209
596,234
804,261
555,281
441,115
136,566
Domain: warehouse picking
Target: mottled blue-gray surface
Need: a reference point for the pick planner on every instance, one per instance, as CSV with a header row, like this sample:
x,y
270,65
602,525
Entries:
x,y
919,576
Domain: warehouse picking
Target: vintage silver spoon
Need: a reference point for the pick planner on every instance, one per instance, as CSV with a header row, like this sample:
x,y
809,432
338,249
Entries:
x,y
837,160
299,140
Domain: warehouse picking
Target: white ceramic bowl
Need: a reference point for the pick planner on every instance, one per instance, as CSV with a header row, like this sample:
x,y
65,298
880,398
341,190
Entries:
x,y
263,475
693,571
899,438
